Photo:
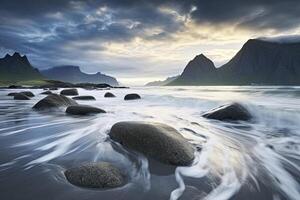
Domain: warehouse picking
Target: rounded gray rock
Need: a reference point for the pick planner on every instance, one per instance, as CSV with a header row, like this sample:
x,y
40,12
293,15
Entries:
x,y
83,110
21,96
69,92
28,93
109,95
84,98
95,175
54,101
156,140
230,112
132,96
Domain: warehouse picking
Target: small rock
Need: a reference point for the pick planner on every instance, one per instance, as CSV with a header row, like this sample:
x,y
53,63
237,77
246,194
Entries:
x,y
84,98
20,96
233,111
158,141
53,88
83,110
47,92
109,94
69,92
96,175
54,101
132,96
27,93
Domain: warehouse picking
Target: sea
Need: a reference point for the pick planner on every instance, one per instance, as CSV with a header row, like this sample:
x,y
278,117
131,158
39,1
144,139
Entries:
x,y
234,160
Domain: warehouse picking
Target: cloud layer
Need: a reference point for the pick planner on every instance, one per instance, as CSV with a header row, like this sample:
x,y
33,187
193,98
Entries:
x,y
138,38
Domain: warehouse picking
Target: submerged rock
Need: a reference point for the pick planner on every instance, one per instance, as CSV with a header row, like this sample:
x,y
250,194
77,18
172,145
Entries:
x,y
47,92
54,101
21,96
69,92
84,98
83,110
158,141
233,111
132,96
28,93
53,88
96,175
109,94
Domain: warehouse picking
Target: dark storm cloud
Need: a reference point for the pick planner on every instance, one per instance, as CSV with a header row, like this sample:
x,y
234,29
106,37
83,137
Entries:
x,y
57,31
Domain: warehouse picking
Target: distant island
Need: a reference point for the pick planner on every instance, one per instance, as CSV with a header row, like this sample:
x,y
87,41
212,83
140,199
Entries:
x,y
73,74
259,62
17,69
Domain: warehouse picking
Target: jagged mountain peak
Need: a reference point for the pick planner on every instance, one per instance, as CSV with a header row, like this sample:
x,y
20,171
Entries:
x,y
7,56
201,60
17,55
201,57
16,68
200,67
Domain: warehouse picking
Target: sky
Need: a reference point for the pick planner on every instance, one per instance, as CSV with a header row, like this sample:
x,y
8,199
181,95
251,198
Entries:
x,y
138,41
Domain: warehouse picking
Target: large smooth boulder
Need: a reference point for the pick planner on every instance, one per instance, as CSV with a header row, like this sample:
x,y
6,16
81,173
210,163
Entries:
x,y
20,96
109,95
83,110
96,175
229,112
155,140
132,96
84,98
54,101
69,92
28,93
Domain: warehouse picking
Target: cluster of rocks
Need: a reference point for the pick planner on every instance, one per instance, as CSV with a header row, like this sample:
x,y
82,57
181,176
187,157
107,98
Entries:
x,y
155,140
61,100
159,142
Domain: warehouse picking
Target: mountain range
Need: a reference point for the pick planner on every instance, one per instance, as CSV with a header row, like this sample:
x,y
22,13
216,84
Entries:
x,y
73,74
258,62
17,68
